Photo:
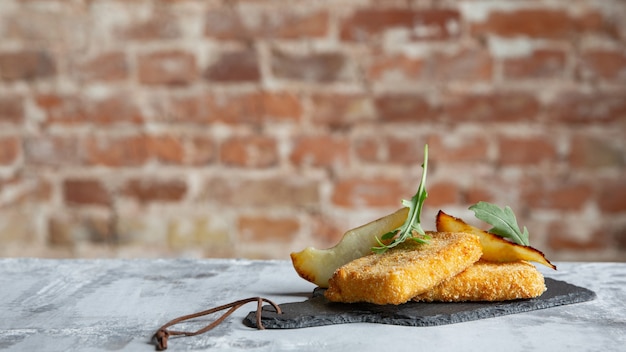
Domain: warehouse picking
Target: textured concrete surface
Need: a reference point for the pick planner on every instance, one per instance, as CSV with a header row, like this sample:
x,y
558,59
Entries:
x,y
104,305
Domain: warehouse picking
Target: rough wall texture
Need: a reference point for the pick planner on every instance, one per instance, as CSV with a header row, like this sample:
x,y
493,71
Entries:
x,y
254,128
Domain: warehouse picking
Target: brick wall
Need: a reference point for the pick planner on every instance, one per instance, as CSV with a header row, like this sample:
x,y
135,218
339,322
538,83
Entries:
x,y
254,128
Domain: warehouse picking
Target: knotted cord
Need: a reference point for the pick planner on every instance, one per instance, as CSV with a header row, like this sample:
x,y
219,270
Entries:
x,y
161,336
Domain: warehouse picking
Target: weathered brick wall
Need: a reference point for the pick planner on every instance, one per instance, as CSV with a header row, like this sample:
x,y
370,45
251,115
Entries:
x,y
254,128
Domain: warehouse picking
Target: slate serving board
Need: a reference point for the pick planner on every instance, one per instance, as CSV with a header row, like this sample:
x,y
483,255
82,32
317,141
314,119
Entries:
x,y
318,311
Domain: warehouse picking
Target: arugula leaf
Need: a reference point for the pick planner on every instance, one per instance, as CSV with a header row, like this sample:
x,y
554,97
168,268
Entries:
x,y
503,221
411,229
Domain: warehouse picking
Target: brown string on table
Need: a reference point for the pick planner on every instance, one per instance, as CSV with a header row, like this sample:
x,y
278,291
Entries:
x,y
161,336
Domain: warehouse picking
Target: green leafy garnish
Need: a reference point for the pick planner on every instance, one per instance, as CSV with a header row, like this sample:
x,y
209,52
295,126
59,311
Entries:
x,y
503,221
411,229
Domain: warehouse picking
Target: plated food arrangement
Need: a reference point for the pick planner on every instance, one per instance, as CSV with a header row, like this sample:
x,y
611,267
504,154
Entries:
x,y
393,260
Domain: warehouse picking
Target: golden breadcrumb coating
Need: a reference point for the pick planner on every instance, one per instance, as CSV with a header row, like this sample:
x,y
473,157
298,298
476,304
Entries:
x,y
405,271
488,281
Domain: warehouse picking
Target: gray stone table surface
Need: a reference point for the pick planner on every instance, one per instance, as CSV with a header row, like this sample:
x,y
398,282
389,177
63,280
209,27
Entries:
x,y
105,305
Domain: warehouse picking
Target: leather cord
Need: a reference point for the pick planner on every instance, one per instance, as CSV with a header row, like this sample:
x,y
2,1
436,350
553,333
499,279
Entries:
x,y
162,335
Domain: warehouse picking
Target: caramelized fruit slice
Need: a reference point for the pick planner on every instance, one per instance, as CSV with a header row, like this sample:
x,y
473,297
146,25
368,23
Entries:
x,y
495,248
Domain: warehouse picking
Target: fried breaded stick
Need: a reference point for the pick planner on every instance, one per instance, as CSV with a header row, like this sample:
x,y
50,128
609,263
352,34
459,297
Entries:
x,y
405,271
488,281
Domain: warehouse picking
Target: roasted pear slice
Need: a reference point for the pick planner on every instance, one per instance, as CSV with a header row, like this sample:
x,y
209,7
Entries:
x,y
319,265
495,248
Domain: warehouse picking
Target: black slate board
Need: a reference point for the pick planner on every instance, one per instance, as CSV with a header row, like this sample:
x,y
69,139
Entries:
x,y
318,311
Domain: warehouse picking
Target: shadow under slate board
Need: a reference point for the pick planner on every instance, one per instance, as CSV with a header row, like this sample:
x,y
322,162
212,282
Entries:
x,y
318,311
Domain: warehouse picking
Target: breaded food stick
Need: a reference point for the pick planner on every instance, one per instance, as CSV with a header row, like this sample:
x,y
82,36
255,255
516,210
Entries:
x,y
405,271
488,281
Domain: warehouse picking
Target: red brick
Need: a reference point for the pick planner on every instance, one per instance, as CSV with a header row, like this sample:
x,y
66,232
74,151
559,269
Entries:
x,y
11,110
81,110
443,193
476,193
167,149
321,151
59,233
494,188
160,26
115,151
391,149
173,68
239,66
50,101
375,192
398,67
596,107
548,23
227,24
453,149
31,23
590,152
318,67
607,65
557,195
468,64
253,108
370,149
249,151
619,236
152,190
525,151
203,151
560,238
9,150
40,192
233,109
305,25
181,109
267,229
426,24
541,63
342,110
327,230
465,64
95,228
535,23
405,150
26,65
85,192
491,107
281,105
114,109
612,196
404,108
255,191
51,150
595,22
106,67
